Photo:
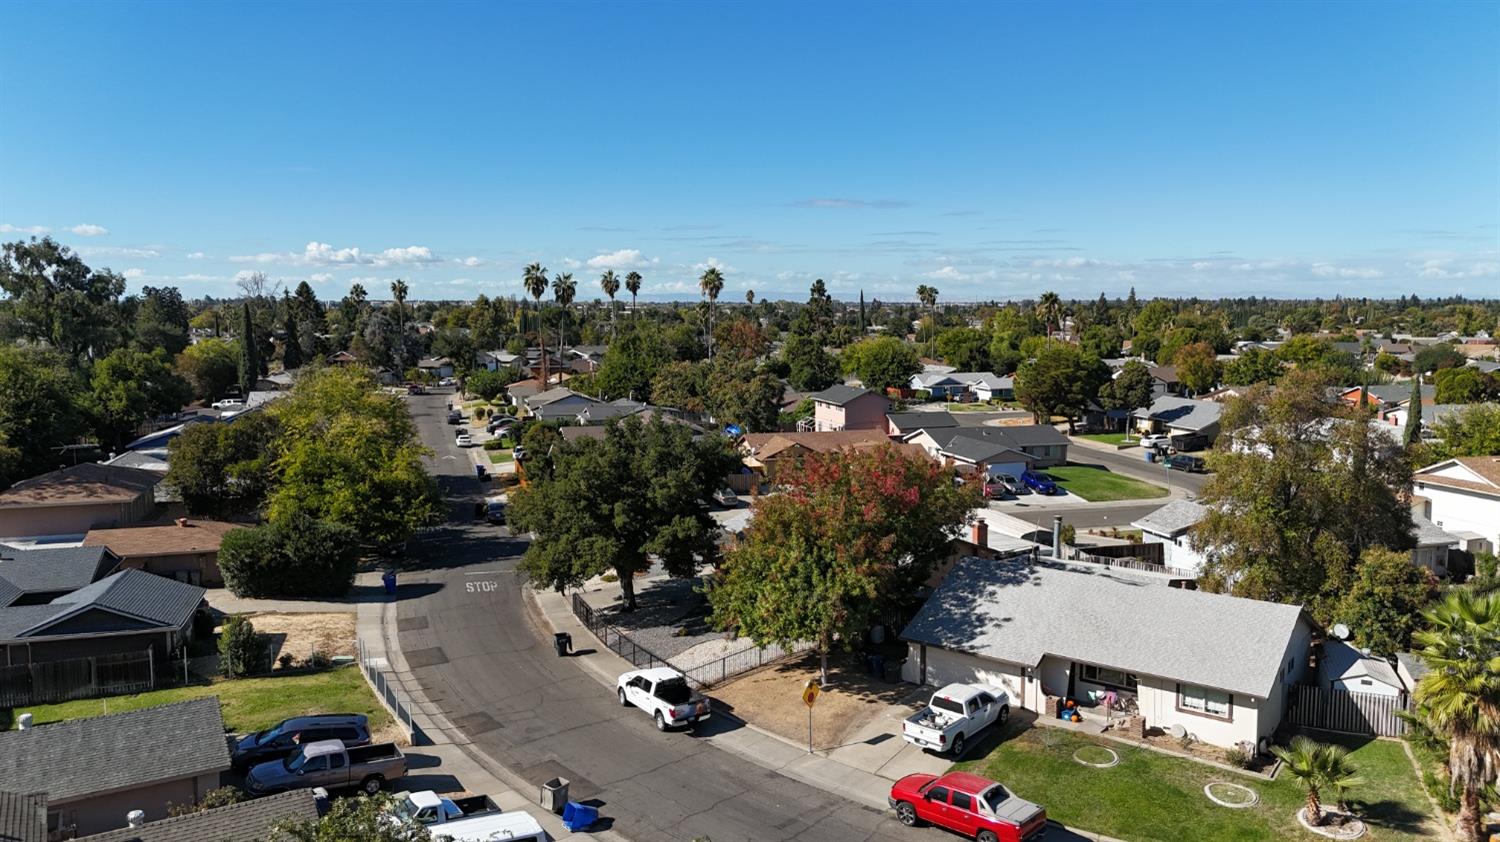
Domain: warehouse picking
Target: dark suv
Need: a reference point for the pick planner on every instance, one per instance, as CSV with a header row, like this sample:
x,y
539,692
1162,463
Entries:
x,y
284,738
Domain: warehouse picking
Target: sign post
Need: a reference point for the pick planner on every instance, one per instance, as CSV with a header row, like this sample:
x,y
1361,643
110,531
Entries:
x,y
809,696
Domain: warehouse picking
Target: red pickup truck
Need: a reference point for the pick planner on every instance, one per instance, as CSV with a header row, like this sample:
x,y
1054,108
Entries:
x,y
967,804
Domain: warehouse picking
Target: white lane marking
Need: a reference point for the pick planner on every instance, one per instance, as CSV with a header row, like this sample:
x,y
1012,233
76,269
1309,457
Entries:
x,y
484,572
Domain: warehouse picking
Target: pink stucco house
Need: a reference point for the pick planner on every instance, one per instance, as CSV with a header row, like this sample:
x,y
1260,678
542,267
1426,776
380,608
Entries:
x,y
847,408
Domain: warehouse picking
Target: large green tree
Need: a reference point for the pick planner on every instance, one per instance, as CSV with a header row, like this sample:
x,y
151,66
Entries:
x,y
128,387
1061,380
1471,431
1130,390
298,556
964,348
56,299
1459,697
225,470
631,362
161,320
616,503
1464,385
1383,601
1197,367
1302,489
40,411
881,362
850,539
350,454
809,367
249,350
211,366
1252,366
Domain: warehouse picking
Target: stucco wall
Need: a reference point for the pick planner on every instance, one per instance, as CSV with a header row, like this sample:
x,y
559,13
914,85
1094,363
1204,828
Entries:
x,y
1463,511
866,412
107,812
72,520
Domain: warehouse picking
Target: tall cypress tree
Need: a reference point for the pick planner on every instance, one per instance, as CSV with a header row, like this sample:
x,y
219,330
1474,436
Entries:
x,y
1414,411
291,352
861,314
249,361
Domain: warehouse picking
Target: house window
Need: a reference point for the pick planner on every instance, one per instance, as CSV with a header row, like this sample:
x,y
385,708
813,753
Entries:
x,y
1205,702
1109,677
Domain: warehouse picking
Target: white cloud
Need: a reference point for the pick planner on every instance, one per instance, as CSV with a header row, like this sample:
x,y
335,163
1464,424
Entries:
x,y
196,255
1447,268
321,277
323,254
198,277
117,251
713,263
1328,270
87,230
7,228
1069,262
570,264
469,261
621,259
133,274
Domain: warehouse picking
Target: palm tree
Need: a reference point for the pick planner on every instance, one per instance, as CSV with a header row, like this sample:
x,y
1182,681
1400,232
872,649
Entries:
x,y
750,297
611,285
1318,767
563,290
1459,698
712,283
534,278
398,292
633,285
928,296
1049,310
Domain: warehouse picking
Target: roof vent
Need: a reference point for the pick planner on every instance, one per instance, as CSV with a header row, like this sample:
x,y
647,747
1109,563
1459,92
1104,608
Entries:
x,y
136,818
182,522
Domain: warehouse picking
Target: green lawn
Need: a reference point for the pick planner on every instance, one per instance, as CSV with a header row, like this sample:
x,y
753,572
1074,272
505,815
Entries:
x,y
1096,484
1115,439
249,704
978,407
1150,796
499,456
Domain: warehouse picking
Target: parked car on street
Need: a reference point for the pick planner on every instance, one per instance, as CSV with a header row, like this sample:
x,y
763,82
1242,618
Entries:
x,y
1184,462
328,764
228,403
455,416
284,738
663,693
954,715
494,511
1040,483
429,808
1188,442
726,497
969,805
1155,440
518,453
463,439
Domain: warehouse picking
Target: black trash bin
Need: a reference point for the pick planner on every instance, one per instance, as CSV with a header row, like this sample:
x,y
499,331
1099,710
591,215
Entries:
x,y
877,666
563,643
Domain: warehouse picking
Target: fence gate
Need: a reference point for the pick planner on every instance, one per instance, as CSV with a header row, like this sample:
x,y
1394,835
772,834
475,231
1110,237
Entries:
x,y
1347,712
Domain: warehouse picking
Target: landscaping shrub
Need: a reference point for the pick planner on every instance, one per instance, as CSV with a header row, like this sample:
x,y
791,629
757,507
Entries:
x,y
299,557
242,649
486,384
1237,757
221,797
494,444
286,661
480,412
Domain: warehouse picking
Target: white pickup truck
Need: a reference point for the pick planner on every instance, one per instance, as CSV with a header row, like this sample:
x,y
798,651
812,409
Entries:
x,y
954,715
472,819
664,695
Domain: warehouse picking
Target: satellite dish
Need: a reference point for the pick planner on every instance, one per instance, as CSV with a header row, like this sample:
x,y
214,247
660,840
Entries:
x,y
1340,631
1177,731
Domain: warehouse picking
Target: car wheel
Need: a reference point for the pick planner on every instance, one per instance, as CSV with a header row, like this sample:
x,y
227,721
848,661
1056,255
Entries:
x,y
906,814
1004,714
372,784
661,724
624,703
987,836
958,745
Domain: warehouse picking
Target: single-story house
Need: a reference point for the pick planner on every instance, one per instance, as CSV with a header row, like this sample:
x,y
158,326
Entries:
x,y
23,816
986,386
276,381
146,460
495,360
1342,667
1432,413
960,385
940,385
436,366
996,456
1386,396
764,451
1180,416
129,611
341,358
1039,445
71,501
1432,546
559,404
980,541
186,549
1219,666
1462,497
40,575
841,407
1410,667
1172,525
598,412
95,771
520,390
1164,380
247,821
899,425
595,430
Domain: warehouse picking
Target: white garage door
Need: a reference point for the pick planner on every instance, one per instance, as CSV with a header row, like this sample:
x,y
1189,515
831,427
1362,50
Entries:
x,y
944,667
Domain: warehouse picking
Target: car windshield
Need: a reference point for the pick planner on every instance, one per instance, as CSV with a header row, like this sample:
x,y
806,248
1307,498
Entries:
x,y
948,705
673,691
994,797
295,762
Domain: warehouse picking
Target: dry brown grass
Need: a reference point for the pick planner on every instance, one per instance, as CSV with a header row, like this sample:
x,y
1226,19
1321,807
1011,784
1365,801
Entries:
x,y
300,634
772,699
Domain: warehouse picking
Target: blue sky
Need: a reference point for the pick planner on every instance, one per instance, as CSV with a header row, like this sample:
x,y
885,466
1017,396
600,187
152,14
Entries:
x,y
993,151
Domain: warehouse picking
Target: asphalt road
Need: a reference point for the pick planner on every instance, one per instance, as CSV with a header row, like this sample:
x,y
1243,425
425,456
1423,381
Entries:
x,y
467,636
1132,462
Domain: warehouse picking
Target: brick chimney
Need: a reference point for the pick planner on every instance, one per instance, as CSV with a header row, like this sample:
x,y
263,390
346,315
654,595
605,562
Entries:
x,y
979,533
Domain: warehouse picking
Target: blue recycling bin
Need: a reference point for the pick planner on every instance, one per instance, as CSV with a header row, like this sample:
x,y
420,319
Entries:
x,y
479,472
1150,455
577,817
390,582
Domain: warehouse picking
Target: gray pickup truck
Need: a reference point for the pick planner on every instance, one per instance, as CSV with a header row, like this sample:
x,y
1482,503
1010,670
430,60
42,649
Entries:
x,y
328,764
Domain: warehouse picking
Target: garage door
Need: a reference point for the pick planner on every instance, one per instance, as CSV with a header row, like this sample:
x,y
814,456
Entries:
x,y
944,667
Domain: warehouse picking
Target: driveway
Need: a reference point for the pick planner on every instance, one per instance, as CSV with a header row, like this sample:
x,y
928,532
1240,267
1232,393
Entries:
x,y
480,656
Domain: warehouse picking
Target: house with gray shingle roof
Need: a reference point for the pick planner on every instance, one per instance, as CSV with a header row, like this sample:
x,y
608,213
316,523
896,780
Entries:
x,y
41,574
247,821
23,816
841,407
1176,416
1172,526
95,771
1219,666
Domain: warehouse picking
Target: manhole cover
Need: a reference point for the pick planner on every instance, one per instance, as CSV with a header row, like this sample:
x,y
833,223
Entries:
x,y
411,624
1097,756
418,658
1234,796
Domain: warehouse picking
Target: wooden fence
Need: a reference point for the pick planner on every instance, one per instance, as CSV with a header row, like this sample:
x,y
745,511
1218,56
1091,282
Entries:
x,y
48,682
1347,712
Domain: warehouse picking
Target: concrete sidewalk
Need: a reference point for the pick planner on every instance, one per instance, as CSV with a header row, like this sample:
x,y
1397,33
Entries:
x,y
448,760
821,769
